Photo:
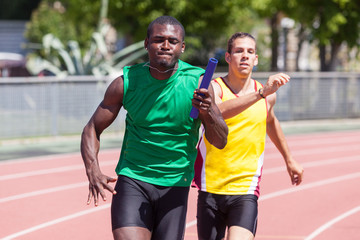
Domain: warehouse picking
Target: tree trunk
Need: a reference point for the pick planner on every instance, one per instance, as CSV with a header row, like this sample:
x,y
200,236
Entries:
x,y
301,37
335,48
322,56
274,42
329,64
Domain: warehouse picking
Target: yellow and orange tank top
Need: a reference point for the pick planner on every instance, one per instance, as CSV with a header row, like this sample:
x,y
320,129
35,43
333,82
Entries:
x,y
236,169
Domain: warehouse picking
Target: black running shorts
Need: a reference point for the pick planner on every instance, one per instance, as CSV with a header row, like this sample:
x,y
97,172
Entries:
x,y
160,209
216,212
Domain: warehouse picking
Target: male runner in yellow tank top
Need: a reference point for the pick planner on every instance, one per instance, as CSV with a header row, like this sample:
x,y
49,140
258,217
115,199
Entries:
x,y
228,179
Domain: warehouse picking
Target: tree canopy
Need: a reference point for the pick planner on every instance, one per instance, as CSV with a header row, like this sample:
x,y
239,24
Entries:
x,y
209,23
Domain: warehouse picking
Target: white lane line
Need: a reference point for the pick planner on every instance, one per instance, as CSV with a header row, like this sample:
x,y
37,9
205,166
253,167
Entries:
x,y
41,172
56,221
51,157
52,170
266,171
320,150
332,222
324,139
265,197
309,185
39,158
43,191
107,163
299,188
316,163
292,142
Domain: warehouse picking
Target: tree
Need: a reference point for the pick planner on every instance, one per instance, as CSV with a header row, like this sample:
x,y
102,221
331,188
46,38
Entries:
x,y
62,60
273,10
53,17
330,23
335,23
208,23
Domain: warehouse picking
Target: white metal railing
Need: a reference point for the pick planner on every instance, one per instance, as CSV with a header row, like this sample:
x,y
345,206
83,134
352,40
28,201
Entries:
x,y
45,106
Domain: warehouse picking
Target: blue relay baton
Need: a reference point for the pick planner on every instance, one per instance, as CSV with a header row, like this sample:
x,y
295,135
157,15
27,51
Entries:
x,y
210,69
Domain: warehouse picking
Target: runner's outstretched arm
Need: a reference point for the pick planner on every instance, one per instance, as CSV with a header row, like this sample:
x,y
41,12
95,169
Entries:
x,y
104,115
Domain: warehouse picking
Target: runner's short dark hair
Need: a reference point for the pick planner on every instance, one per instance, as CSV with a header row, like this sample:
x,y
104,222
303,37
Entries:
x,y
236,36
166,20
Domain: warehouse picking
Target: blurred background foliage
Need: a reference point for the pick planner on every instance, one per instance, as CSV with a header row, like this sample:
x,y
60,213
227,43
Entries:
x,y
328,24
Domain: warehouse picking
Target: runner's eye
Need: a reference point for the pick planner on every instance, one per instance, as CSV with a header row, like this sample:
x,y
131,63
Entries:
x,y
173,41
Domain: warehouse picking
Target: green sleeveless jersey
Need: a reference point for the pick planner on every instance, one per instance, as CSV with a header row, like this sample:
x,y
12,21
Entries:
x,y
159,145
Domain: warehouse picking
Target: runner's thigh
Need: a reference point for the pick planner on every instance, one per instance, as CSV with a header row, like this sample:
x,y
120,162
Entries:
x,y
243,212
130,205
171,209
211,223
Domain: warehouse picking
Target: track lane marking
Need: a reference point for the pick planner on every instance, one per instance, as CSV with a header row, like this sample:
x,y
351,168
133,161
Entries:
x,y
330,161
189,224
43,191
51,157
292,140
56,221
332,222
81,184
193,222
52,170
299,188
309,185
107,163
320,150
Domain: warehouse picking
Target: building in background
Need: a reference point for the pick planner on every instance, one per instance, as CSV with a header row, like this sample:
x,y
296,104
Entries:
x,y
12,54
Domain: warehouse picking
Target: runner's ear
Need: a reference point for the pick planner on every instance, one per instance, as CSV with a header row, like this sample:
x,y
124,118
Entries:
x,y
227,57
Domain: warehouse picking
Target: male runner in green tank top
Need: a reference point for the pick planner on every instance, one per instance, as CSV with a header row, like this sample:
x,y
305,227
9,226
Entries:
x,y
155,168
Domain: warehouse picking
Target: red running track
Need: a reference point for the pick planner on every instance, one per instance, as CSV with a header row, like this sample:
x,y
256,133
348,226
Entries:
x,y
45,197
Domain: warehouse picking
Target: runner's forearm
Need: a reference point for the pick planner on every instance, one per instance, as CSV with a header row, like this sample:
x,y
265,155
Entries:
x,y
216,130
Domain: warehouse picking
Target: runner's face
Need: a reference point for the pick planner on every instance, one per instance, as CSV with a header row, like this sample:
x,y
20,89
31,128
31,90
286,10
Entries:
x,y
243,55
165,45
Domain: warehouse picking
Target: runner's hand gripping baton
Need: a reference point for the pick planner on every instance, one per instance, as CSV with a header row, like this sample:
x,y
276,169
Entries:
x,y
210,69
